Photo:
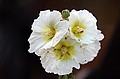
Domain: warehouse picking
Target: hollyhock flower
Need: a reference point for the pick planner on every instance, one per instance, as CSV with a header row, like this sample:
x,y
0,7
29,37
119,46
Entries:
x,y
83,27
65,40
67,54
48,29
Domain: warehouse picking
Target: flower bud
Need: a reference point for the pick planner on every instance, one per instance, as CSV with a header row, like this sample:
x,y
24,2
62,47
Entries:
x,y
65,14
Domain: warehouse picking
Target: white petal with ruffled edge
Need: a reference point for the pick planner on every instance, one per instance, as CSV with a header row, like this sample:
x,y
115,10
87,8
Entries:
x,y
86,53
48,29
53,65
56,64
83,27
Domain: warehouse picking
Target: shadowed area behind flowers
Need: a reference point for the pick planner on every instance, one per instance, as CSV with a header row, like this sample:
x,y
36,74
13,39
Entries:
x,y
110,68
15,28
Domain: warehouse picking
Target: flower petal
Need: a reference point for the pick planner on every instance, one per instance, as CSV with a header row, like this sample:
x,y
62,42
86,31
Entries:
x,y
83,27
52,65
61,28
47,19
86,53
36,42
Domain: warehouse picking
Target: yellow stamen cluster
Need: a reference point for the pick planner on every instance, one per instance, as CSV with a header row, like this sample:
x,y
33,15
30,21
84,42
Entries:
x,y
49,33
77,29
63,51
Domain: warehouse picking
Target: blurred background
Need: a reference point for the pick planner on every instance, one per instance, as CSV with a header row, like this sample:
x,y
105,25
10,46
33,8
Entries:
x,y
16,18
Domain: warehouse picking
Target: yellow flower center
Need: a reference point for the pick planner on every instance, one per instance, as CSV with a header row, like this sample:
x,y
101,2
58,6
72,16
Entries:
x,y
77,29
63,51
49,33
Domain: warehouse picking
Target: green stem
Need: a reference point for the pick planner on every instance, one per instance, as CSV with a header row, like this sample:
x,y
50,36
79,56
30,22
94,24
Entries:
x,y
69,76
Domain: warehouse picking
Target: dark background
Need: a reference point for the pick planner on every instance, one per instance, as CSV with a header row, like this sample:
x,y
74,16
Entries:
x,y
16,18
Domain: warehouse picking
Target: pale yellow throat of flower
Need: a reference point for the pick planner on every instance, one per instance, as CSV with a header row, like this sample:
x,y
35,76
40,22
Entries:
x,y
63,51
77,29
49,33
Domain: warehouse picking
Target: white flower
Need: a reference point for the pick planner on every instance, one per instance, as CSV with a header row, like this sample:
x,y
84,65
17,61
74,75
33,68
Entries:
x,y
83,27
67,54
63,43
48,29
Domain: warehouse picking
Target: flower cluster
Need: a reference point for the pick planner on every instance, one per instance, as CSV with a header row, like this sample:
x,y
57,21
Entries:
x,y
65,40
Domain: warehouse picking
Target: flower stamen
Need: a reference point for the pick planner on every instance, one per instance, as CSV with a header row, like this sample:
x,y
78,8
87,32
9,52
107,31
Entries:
x,y
64,50
79,30
49,33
